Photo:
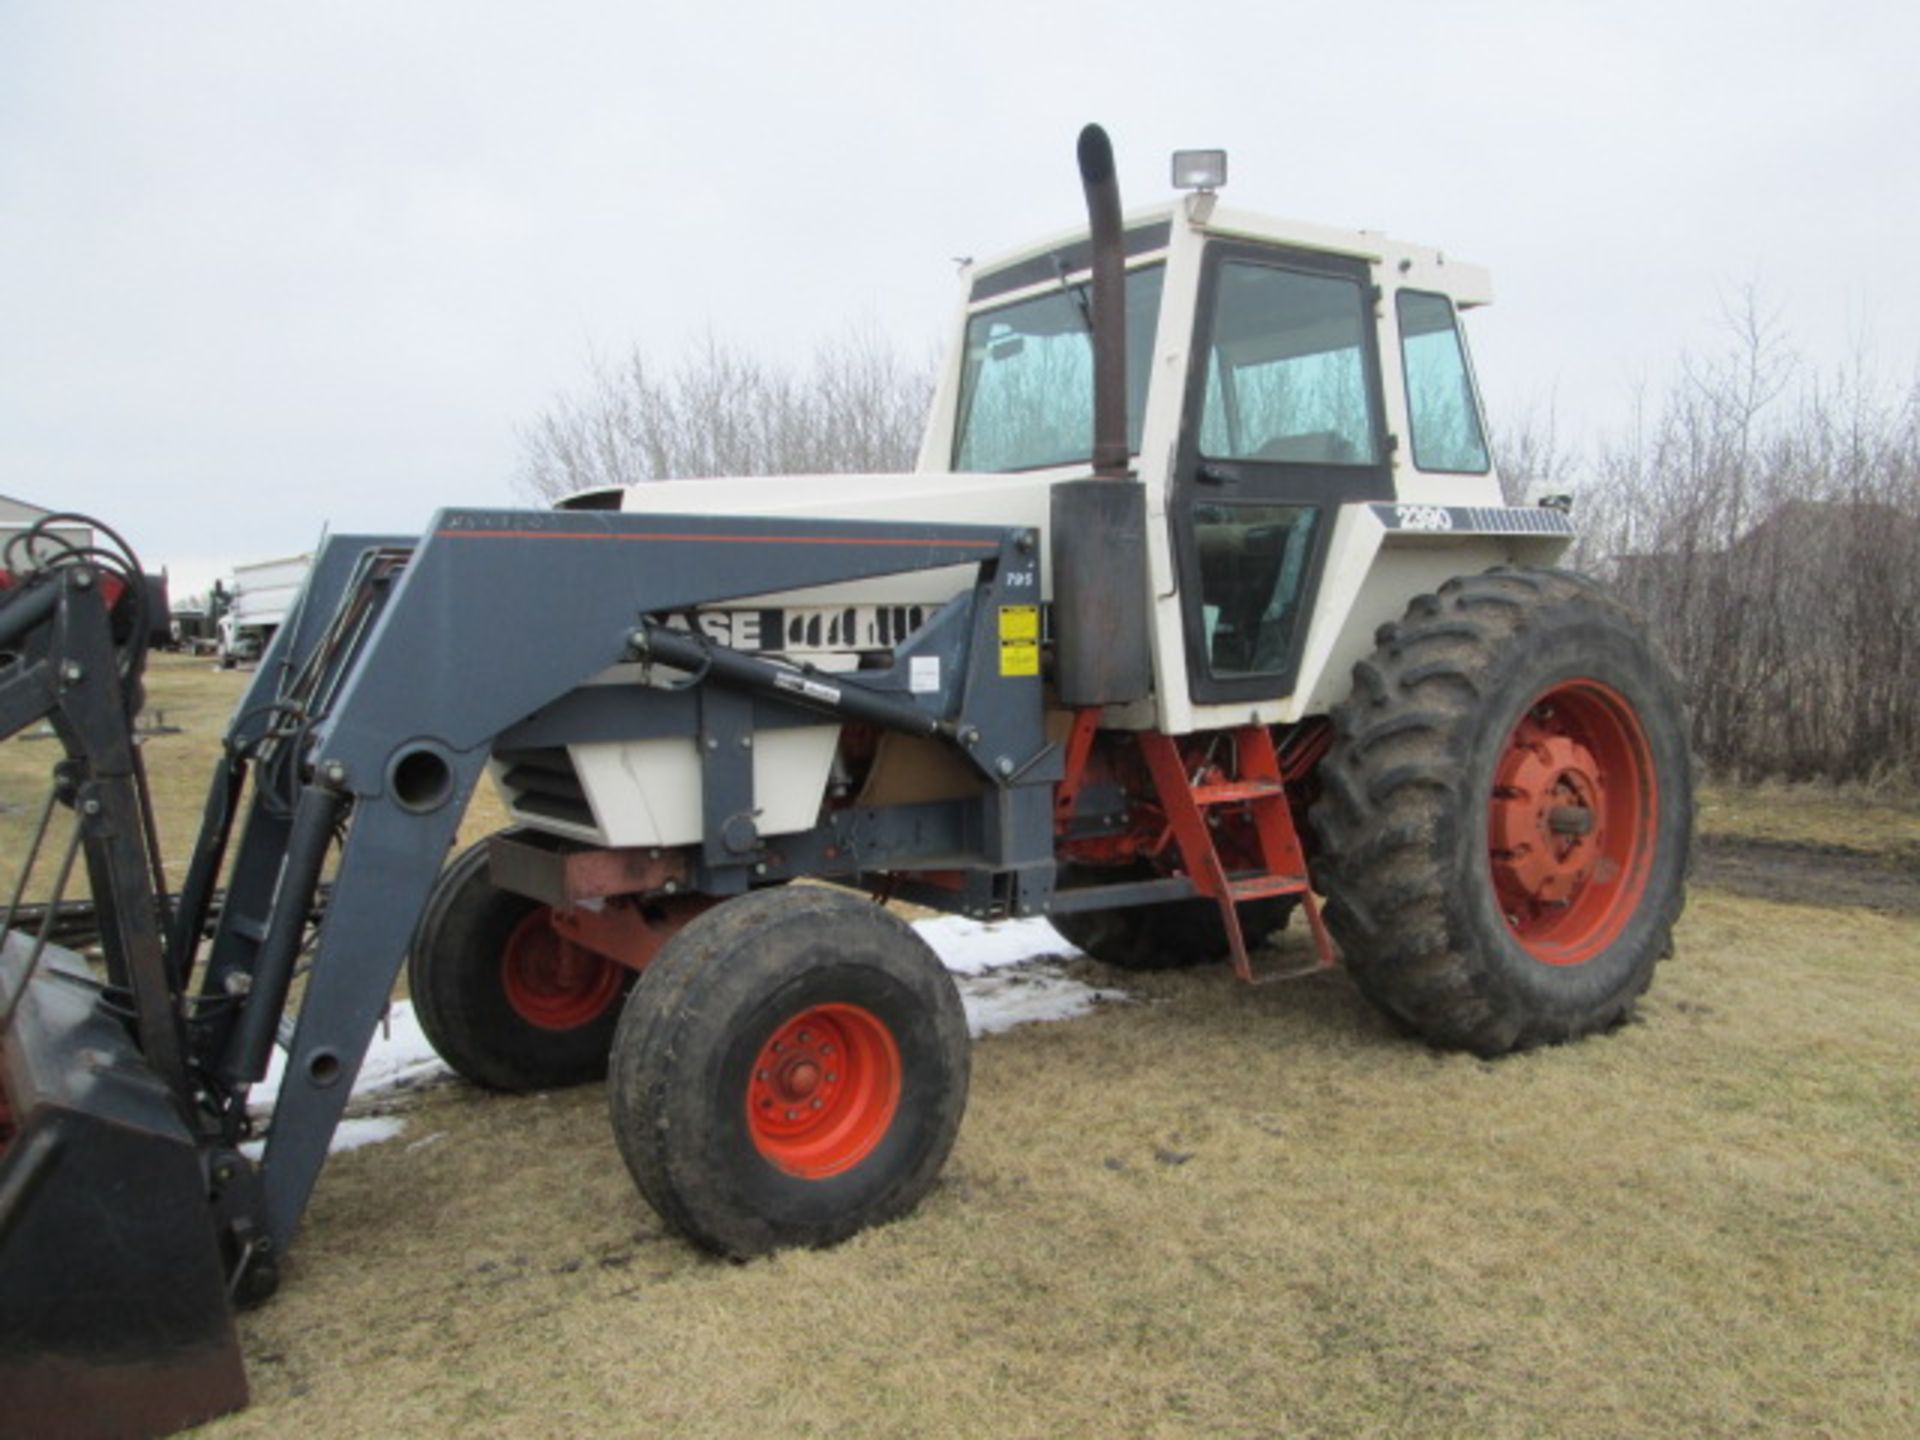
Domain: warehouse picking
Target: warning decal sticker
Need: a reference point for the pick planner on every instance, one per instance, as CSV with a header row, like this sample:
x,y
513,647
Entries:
x,y
1019,639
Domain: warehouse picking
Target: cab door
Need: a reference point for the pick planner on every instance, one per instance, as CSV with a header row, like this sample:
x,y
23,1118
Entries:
x,y
1282,425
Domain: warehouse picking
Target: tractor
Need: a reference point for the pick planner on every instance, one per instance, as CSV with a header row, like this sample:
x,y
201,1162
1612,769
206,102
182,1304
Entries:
x,y
1201,610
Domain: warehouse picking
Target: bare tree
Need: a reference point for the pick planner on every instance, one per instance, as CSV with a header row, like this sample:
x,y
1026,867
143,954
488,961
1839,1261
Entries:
x,y
1529,456
1767,521
858,406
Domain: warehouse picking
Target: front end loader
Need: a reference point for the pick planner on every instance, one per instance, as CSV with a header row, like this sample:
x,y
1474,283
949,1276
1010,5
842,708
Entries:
x,y
1200,608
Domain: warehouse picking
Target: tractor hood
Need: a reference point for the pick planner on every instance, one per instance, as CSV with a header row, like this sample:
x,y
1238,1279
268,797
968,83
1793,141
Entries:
x,y
971,499
911,496
982,499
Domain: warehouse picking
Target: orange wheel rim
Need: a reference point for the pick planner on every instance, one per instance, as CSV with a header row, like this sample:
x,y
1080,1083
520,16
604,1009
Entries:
x,y
1571,822
551,982
824,1090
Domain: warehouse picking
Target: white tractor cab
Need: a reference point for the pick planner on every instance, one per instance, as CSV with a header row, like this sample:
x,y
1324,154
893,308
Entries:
x,y
1301,416
1303,428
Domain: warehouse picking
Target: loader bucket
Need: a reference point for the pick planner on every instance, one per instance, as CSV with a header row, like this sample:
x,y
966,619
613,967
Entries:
x,y
114,1319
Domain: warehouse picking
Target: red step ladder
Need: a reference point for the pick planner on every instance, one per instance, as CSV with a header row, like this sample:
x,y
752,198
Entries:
x,y
1195,800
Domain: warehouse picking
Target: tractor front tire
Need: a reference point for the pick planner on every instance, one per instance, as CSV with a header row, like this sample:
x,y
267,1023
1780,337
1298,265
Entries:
x,y
1170,935
1506,812
504,999
791,1069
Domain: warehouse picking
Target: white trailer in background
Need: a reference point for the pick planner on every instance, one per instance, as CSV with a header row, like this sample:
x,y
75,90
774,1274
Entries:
x,y
263,594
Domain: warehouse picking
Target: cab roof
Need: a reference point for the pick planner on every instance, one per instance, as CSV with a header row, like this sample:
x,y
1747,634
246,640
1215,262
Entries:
x,y
1200,216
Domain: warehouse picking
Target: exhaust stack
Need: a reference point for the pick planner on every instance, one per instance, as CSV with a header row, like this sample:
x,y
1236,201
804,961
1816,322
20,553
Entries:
x,y
1098,529
1110,453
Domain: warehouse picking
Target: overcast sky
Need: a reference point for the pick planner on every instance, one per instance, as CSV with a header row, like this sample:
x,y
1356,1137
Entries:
x,y
267,266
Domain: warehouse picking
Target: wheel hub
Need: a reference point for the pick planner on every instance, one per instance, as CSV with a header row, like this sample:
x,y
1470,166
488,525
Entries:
x,y
1569,825
552,982
824,1090
1546,830
799,1080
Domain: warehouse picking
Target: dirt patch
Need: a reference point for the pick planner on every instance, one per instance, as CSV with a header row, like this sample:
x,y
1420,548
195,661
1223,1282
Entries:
x,y
1811,872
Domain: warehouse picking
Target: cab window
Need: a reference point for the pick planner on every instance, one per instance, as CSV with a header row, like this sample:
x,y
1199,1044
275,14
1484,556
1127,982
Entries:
x,y
1440,401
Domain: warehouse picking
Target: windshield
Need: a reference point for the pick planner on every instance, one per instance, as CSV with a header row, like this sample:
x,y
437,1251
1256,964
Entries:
x,y
1026,395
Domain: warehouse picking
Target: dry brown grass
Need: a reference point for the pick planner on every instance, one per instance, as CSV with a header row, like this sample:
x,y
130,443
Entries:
x,y
1211,1212
193,695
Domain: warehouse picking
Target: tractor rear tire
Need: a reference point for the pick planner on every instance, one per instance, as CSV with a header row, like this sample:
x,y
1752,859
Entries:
x,y
791,1069
505,1001
1171,935
1506,812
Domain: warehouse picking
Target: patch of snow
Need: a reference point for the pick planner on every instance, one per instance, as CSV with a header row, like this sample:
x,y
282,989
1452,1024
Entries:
x,y
967,947
347,1135
1023,995
399,1057
367,1130
1009,972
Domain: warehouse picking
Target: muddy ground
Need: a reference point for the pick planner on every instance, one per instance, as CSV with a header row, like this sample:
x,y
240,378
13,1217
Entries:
x,y
1810,872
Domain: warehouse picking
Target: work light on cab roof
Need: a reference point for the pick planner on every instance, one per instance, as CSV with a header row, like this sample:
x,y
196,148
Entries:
x,y
1203,170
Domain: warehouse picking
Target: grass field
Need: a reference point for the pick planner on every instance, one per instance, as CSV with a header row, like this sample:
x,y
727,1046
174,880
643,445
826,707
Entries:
x,y
1209,1211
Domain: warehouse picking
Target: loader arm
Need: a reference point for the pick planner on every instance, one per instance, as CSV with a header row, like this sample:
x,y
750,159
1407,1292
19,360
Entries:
x,y
396,681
